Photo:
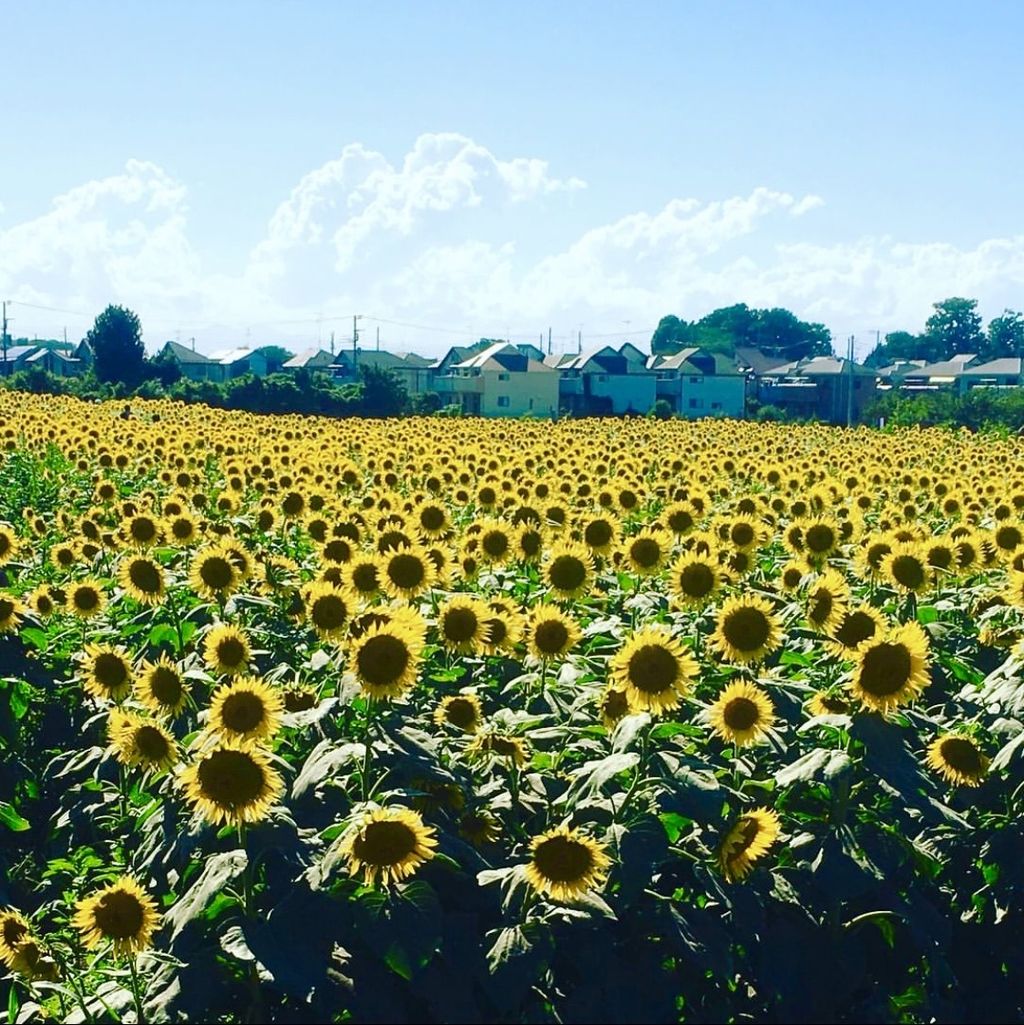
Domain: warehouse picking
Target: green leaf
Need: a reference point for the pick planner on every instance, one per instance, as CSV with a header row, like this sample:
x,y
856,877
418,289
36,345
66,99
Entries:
x,y
163,633
35,636
12,820
218,871
21,694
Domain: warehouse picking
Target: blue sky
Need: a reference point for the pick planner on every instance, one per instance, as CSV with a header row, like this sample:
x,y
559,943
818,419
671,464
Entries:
x,y
261,171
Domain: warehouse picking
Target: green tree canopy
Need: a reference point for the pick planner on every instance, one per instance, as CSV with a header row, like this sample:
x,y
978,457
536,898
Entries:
x,y
276,357
1005,335
116,341
954,327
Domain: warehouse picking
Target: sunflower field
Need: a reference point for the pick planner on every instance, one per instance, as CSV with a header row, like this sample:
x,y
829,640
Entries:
x,y
453,720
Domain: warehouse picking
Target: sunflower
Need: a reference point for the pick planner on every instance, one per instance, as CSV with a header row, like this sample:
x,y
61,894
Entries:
x,y
747,629
645,553
388,845
143,579
64,556
825,703
820,538
599,533
528,543
41,601
142,742
11,611
214,574
122,914
565,863
328,609
827,601
749,839
742,533
8,543
107,671
386,659
480,828
14,930
694,579
299,699
551,633
741,714
857,625
232,783
891,668
406,572
500,745
246,709
958,760
569,570
362,573
872,554
86,598
680,518
141,531
464,624
160,687
181,529
906,568
653,669
504,625
495,542
226,650
461,711
614,705
431,520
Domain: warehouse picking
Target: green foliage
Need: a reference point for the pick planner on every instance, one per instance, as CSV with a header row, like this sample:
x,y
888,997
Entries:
x,y
116,341
276,356
979,409
954,327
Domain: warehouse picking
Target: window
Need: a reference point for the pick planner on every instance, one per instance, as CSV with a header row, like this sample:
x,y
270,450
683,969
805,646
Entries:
x,y
502,400
531,403
694,403
602,377
716,405
502,377
696,380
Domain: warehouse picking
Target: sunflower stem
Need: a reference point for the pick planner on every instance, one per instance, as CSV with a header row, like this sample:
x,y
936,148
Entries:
x,y
364,775
246,873
140,1015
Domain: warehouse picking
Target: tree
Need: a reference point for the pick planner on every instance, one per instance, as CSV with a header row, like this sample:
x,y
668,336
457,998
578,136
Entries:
x,y
116,341
954,327
1005,335
384,394
897,345
276,357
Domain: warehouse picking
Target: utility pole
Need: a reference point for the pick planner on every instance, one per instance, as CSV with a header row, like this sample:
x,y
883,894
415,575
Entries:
x,y
332,343
579,341
4,336
549,341
849,382
378,337
355,347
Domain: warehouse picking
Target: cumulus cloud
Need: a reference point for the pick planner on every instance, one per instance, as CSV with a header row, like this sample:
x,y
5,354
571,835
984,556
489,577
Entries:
x,y
442,237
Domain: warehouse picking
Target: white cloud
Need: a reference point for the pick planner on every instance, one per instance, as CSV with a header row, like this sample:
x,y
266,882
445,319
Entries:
x,y
446,236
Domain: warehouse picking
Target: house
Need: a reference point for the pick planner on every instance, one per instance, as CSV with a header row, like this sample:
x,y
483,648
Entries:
x,y
751,360
892,376
84,354
309,359
55,362
1007,372
501,380
823,387
193,365
14,358
231,363
415,372
944,374
604,381
696,383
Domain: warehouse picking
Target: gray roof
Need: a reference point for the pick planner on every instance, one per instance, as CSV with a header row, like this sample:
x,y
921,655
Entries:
x,y
945,368
758,361
229,356
183,354
16,352
318,357
819,366
1008,366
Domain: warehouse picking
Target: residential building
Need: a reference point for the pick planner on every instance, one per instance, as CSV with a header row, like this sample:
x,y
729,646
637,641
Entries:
x,y
310,359
945,374
822,387
696,383
231,363
193,365
501,380
604,381
55,362
15,358
1007,372
413,371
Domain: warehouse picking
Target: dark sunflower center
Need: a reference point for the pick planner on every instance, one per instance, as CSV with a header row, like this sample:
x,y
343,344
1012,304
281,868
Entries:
x,y
645,553
563,860
962,755
495,543
293,503
857,627
5,544
821,606
151,744
328,612
746,629
597,533
119,915
231,652
741,714
217,572
296,700
876,553
6,609
680,521
43,604
65,556
747,830
460,712
143,529
506,747
181,529
696,580
567,573
820,538
833,705
530,543
432,518
792,577
615,704
364,577
1009,537
165,685
231,779
243,711
406,571
551,636
460,624
908,571
940,557
653,669
110,670
384,843
145,575
337,550
85,598
14,932
383,660
885,669
742,534
497,631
